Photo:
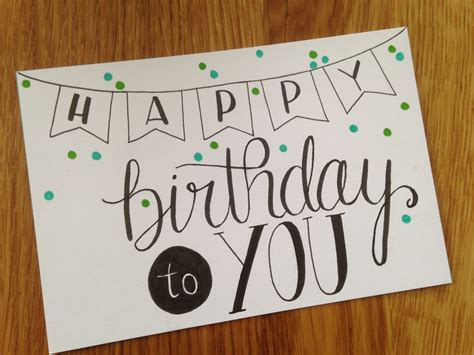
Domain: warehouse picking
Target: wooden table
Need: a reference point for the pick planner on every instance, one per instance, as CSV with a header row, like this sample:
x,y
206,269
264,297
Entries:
x,y
40,34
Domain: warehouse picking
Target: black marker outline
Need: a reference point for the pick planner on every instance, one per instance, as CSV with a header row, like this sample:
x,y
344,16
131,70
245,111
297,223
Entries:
x,y
183,139
219,85
106,141
231,127
228,83
363,91
221,234
291,119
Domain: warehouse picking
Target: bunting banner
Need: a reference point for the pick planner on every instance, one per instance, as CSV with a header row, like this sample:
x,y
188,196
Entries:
x,y
176,192
228,105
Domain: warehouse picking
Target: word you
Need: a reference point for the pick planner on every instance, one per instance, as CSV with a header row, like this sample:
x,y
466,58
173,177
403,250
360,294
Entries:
x,y
180,279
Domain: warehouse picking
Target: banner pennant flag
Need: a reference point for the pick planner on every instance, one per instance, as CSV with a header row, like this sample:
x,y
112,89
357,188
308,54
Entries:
x,y
82,109
356,76
148,112
225,106
293,96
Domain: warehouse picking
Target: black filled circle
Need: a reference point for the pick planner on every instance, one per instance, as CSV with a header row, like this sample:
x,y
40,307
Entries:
x,y
179,280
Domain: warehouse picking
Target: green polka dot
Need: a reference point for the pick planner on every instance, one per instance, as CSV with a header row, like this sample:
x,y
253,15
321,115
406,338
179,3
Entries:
x,y
48,195
259,53
406,219
214,145
107,76
96,156
392,49
71,154
145,203
214,74
197,156
313,65
313,54
202,66
26,84
255,91
400,56
387,132
353,128
404,106
120,85
325,59
283,148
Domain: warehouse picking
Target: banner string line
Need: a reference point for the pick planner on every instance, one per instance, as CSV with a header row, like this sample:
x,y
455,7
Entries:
x,y
216,85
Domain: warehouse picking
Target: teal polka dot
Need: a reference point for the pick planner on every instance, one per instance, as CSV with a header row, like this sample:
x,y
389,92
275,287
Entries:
x,y
400,56
313,65
214,74
353,128
283,148
259,53
107,76
48,195
197,156
406,219
96,156
325,59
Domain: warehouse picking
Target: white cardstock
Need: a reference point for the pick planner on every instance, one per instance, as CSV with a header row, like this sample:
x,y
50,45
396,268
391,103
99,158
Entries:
x,y
175,192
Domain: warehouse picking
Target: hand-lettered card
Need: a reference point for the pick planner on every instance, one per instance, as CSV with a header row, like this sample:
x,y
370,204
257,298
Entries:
x,y
176,192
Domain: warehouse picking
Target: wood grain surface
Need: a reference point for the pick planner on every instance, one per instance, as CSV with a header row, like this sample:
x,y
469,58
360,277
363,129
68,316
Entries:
x,y
41,34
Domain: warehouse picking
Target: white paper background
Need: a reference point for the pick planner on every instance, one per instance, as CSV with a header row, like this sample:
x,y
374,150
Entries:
x,y
94,282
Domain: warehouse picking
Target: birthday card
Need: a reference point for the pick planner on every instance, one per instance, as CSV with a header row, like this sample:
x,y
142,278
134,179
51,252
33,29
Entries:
x,y
176,192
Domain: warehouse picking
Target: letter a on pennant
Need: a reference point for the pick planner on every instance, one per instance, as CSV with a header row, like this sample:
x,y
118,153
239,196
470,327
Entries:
x,y
162,112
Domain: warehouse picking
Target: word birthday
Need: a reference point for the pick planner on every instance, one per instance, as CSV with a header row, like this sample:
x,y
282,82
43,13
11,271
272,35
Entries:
x,y
169,282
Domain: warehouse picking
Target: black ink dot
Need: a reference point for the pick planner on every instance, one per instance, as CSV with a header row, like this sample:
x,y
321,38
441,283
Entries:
x,y
174,177
180,280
